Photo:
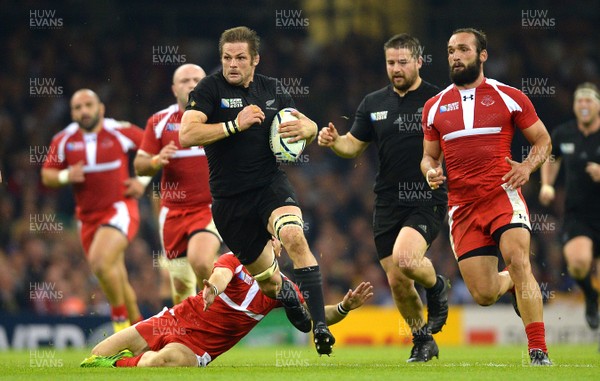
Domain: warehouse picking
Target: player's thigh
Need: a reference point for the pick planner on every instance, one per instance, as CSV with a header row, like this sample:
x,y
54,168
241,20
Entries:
x,y
410,246
514,246
480,274
578,251
177,354
108,246
129,338
203,246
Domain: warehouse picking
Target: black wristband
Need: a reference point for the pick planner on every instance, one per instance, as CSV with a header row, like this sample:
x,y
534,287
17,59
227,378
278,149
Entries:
x,y
342,310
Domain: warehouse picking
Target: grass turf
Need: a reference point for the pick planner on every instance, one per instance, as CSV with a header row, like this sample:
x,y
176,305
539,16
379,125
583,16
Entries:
x,y
572,362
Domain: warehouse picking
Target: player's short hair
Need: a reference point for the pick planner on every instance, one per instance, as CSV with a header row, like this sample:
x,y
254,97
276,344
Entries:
x,y
404,41
587,88
240,34
480,37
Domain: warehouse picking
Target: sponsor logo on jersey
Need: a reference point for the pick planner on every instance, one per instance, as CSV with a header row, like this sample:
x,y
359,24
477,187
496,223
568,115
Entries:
x,y
378,115
245,278
172,127
75,146
567,148
231,103
449,107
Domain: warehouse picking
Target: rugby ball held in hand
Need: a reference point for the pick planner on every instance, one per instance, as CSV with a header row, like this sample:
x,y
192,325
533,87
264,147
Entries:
x,y
282,149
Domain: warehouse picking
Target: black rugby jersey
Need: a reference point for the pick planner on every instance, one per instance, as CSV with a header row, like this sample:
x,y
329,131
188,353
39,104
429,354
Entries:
x,y
576,150
242,161
394,124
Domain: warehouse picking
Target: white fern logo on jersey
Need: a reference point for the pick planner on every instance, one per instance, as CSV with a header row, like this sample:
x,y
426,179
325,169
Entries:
x,y
378,115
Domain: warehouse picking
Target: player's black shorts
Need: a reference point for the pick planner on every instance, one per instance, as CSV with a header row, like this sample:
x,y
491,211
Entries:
x,y
388,220
242,220
578,225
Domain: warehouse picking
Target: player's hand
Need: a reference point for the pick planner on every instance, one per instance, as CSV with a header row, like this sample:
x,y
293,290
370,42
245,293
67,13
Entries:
x,y
276,247
328,135
208,294
593,169
165,154
435,177
546,195
76,174
354,299
249,116
518,175
303,128
134,189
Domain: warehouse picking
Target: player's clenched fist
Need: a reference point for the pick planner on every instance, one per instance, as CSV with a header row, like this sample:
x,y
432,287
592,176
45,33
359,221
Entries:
x,y
249,116
328,135
435,177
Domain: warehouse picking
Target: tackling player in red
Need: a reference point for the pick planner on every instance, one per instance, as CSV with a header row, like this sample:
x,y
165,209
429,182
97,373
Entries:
x,y
204,326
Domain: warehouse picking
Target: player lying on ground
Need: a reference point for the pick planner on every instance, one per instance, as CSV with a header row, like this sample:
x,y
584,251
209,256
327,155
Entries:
x,y
202,327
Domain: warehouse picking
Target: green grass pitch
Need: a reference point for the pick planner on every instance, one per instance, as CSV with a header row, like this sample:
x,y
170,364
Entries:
x,y
572,362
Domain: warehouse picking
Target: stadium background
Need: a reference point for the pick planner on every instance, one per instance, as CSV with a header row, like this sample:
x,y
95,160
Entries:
x,y
327,53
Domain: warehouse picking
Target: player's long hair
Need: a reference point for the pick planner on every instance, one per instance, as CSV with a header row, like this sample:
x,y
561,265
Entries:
x,y
480,37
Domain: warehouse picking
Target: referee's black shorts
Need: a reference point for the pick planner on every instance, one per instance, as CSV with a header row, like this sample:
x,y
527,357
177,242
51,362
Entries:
x,y
388,220
242,220
576,224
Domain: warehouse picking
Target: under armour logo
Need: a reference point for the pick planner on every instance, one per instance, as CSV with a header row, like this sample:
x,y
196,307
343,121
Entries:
x,y
468,97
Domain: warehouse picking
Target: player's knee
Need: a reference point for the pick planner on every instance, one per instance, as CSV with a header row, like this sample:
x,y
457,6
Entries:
x,y
400,285
519,265
99,267
182,287
289,229
484,298
578,269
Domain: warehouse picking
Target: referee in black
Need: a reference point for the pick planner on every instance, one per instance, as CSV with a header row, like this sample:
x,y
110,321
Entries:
x,y
230,114
408,214
577,145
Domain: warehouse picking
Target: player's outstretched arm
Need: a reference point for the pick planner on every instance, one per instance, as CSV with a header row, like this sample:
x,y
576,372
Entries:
x,y
215,285
352,300
346,146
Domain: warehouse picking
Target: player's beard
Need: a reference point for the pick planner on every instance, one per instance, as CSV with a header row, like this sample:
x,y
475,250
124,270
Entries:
x,y
89,126
406,84
469,74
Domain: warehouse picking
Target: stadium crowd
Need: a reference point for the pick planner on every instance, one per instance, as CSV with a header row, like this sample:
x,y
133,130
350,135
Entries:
x,y
40,252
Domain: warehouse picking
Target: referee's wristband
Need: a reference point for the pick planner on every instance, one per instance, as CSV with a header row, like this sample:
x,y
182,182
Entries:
x,y
230,127
341,310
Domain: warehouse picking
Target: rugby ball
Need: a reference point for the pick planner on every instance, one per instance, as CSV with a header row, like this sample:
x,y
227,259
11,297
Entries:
x,y
282,149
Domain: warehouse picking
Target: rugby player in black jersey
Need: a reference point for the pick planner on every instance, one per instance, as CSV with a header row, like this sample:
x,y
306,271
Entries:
x,y
576,144
230,114
408,214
